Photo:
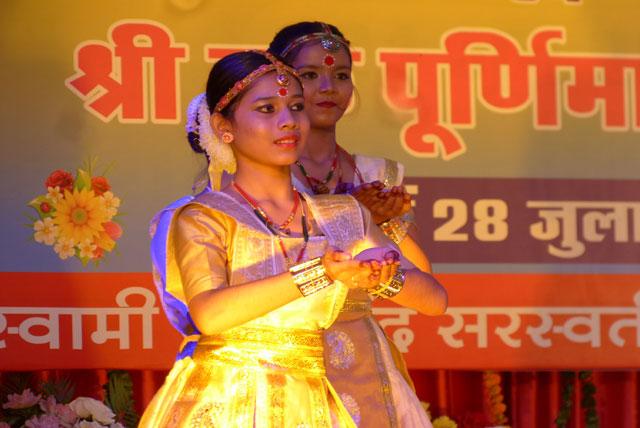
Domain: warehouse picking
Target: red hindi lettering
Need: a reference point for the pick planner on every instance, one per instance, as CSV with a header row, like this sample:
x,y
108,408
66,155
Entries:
x,y
425,136
494,54
136,76
440,86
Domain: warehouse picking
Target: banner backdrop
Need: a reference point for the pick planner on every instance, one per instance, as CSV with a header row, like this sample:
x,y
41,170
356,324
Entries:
x,y
517,121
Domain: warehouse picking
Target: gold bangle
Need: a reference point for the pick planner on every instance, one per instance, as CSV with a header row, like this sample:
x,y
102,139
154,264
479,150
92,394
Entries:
x,y
390,288
395,229
310,276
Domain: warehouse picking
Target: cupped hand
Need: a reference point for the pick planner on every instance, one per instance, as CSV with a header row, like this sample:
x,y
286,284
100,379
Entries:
x,y
340,266
383,204
388,258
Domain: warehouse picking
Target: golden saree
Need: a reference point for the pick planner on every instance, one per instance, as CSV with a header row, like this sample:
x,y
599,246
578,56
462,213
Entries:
x,y
268,372
362,364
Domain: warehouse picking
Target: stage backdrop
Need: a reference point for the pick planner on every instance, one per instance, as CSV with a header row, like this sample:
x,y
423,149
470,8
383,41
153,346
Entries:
x,y
518,123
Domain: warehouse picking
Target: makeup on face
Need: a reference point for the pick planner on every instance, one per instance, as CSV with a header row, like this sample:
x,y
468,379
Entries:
x,y
269,126
326,77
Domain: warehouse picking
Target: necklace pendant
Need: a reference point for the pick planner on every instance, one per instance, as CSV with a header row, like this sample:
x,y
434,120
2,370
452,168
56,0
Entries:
x,y
320,189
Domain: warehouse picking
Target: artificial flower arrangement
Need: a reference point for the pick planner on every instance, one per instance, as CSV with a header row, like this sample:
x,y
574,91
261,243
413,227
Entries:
x,y
77,215
51,406
441,421
35,411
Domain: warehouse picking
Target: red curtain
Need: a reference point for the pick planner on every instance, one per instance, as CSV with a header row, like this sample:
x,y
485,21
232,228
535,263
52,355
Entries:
x,y
532,398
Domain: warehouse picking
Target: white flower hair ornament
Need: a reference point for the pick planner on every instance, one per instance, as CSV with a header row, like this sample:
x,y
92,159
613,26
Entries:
x,y
220,155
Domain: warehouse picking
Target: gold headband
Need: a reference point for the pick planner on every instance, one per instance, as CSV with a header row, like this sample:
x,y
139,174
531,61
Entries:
x,y
281,78
328,40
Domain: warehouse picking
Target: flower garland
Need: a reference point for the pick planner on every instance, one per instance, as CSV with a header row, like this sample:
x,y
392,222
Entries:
x,y
494,406
220,155
76,217
588,402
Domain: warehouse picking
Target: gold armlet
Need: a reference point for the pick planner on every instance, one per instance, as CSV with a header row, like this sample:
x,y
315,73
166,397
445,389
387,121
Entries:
x,y
310,276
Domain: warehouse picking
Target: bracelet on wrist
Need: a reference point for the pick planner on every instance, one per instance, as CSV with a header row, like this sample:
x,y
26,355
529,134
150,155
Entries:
x,y
395,229
391,288
310,276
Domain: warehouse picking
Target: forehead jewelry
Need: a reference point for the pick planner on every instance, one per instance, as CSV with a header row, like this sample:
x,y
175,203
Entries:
x,y
281,74
329,41
275,65
283,82
330,44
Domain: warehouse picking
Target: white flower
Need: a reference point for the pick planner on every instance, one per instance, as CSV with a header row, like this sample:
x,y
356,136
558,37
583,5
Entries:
x,y
111,203
87,249
116,425
86,407
45,231
54,194
65,248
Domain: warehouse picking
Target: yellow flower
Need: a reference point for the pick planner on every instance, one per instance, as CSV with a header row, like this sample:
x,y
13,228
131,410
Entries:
x,y
80,215
64,248
105,242
45,231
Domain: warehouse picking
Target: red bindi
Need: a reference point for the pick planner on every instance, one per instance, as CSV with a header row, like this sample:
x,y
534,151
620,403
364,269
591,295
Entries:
x,y
329,60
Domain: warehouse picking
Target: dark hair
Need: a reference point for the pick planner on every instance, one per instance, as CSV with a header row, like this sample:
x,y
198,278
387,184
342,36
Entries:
x,y
226,72
223,76
290,33
194,141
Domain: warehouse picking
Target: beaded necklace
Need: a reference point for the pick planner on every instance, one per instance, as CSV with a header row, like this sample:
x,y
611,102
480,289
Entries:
x,y
275,229
321,186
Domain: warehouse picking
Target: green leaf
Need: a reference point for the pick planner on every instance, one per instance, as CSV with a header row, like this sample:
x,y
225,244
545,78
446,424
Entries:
x,y
14,420
584,375
62,389
83,180
36,204
588,389
561,422
14,383
119,396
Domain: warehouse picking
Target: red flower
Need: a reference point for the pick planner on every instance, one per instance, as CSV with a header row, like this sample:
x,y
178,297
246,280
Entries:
x,y
45,207
100,185
60,178
112,229
98,253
